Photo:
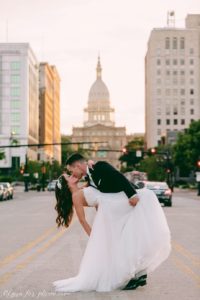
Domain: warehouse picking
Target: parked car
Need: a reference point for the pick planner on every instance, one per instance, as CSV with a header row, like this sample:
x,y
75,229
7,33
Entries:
x,y
162,191
3,193
9,189
51,185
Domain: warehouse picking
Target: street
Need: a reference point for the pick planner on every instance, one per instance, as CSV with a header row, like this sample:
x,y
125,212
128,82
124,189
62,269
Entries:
x,y
34,253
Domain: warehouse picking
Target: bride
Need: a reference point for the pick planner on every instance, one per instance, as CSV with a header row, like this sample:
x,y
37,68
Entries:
x,y
124,240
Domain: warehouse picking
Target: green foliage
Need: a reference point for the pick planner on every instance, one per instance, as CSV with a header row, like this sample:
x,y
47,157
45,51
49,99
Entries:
x,y
129,157
187,149
153,168
2,155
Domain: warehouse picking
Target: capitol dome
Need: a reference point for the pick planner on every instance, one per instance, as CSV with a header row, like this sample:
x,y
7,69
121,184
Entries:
x,y
99,90
98,110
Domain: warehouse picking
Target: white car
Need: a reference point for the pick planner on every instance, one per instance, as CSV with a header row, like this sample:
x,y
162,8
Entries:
x,y
51,186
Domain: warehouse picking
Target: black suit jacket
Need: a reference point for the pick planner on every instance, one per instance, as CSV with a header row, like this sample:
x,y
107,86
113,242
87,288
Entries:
x,y
109,180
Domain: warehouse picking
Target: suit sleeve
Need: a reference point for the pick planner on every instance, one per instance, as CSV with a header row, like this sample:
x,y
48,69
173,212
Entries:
x,y
114,181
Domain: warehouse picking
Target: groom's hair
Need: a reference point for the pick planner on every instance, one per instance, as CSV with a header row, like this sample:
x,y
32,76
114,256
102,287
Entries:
x,y
74,157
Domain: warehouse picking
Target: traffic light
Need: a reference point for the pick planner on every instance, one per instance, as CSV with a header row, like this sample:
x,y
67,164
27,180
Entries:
x,y
22,170
198,163
153,150
124,150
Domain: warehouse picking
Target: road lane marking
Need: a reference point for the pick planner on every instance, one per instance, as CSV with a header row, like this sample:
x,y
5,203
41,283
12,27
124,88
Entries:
x,y
184,268
186,253
8,259
6,276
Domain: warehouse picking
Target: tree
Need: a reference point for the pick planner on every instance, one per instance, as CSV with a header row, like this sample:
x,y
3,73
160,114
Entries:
x,y
129,153
187,149
153,168
2,155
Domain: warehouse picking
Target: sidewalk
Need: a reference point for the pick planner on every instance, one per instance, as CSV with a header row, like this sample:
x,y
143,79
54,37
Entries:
x,y
191,193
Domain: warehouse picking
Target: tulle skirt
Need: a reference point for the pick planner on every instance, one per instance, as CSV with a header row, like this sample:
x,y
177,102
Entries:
x,y
124,241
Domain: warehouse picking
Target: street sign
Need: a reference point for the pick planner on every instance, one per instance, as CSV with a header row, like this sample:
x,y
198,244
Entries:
x,y
138,153
198,176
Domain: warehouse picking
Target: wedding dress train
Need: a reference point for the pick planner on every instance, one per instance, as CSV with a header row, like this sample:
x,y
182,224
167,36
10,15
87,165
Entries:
x,y
124,241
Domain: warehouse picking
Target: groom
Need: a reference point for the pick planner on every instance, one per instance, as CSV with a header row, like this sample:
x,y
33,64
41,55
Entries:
x,y
106,179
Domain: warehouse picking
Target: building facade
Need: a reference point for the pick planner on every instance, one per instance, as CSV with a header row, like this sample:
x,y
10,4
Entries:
x,y
99,125
19,102
172,80
49,113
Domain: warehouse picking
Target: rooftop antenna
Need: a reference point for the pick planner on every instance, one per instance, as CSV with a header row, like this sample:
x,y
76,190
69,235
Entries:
x,y
171,18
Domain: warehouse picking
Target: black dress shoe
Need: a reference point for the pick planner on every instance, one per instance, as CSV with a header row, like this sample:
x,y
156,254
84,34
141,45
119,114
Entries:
x,y
135,283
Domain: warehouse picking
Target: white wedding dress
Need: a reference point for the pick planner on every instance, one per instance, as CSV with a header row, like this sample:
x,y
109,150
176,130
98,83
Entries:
x,y
124,240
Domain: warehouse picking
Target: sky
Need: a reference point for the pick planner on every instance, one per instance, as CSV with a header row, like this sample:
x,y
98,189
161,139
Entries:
x,y
70,33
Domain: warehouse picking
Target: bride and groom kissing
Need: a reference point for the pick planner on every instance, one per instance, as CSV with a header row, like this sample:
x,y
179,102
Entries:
x,y
129,237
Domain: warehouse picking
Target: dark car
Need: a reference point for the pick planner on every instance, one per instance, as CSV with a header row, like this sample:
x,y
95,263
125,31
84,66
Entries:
x,y
9,189
162,191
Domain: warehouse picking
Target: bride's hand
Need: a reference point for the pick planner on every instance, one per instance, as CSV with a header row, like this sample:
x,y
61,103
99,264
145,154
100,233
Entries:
x,y
133,201
90,163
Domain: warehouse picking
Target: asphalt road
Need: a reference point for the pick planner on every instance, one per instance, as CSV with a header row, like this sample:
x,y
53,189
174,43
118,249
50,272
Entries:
x,y
34,253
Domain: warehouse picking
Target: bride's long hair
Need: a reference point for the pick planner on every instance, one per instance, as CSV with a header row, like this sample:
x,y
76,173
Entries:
x,y
64,205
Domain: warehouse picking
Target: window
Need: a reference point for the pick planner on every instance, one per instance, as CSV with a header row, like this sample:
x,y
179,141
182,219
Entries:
x,y
182,72
158,81
15,65
15,117
182,43
167,62
159,131
158,72
15,129
167,110
182,101
15,78
191,51
191,80
167,72
182,121
191,101
175,91
182,110
191,61
159,122
174,62
174,72
182,91
168,121
175,110
15,104
175,121
191,72
15,91
158,92
158,62
192,111
182,61
167,92
167,43
158,111
174,43
191,92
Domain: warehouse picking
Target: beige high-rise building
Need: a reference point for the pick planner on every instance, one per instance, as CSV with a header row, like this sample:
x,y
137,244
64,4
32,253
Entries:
x,y
49,112
99,125
172,79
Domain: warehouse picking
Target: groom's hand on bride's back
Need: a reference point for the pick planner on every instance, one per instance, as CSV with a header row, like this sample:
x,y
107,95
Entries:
x,y
133,200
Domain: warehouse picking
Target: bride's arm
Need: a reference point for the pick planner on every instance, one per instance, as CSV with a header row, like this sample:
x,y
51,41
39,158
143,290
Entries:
x,y
79,203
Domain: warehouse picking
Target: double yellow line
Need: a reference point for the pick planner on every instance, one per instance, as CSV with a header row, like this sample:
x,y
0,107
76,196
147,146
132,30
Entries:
x,y
23,250
190,258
